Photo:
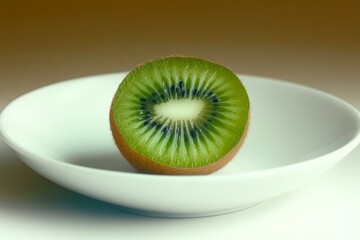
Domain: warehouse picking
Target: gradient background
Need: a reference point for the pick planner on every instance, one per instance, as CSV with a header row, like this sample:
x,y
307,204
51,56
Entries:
x,y
316,43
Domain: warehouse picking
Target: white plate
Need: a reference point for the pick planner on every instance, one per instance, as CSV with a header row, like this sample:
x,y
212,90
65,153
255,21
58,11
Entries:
x,y
296,134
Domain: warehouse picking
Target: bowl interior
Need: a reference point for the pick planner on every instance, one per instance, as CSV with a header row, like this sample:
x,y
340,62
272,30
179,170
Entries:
x,y
68,122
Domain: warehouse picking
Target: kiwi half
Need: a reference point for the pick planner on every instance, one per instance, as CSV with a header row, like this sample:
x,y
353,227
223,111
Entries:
x,y
179,115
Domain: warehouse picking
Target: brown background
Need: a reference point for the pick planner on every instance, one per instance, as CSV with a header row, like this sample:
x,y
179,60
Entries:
x,y
316,43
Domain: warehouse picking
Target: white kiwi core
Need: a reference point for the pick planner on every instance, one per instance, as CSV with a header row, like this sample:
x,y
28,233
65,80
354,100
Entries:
x,y
180,109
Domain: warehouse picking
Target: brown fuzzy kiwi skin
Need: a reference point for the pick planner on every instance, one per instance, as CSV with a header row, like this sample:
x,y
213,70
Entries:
x,y
145,165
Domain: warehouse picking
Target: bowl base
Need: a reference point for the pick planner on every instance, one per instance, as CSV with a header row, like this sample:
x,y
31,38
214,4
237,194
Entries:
x,y
186,214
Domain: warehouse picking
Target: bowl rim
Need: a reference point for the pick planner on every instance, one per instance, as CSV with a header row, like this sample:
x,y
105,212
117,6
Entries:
x,y
347,147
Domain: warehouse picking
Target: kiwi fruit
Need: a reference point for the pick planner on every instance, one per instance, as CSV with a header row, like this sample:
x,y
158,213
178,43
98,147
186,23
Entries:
x,y
179,116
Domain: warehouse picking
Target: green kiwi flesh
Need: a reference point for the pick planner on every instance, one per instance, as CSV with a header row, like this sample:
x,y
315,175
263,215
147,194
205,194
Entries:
x,y
179,115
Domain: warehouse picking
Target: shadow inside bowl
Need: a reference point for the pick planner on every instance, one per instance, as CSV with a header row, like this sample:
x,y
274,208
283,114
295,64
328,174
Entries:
x,y
102,160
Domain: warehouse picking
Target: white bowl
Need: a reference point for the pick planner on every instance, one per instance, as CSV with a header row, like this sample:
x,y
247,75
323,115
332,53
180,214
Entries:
x,y
296,134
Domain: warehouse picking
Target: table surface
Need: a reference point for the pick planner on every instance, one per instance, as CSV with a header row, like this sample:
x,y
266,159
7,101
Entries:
x,y
315,44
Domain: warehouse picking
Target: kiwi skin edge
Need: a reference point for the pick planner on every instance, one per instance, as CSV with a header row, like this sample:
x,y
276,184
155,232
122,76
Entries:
x,y
143,164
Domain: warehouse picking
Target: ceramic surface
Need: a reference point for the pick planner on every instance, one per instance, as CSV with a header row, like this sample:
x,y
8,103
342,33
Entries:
x,y
296,134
